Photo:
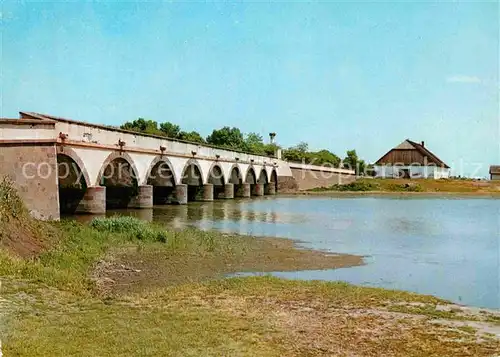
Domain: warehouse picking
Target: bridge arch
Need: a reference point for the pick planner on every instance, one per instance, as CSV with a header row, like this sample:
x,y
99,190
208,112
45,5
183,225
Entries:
x,y
235,175
250,176
159,167
216,175
263,176
192,176
273,179
117,156
119,175
70,153
192,173
217,178
73,180
161,176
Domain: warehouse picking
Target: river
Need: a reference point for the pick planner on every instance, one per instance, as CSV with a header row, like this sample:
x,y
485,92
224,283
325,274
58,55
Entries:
x,y
447,247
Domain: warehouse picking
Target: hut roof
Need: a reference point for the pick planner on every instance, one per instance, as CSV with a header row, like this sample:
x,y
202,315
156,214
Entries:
x,y
408,146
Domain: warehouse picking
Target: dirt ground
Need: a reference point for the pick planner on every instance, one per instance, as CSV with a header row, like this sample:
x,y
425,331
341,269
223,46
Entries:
x,y
131,269
25,238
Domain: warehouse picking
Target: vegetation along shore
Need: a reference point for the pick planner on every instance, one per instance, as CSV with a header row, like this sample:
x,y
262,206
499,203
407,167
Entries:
x,y
119,286
406,186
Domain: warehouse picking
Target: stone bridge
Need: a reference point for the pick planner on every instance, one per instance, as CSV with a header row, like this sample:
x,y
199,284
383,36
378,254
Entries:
x,y
65,166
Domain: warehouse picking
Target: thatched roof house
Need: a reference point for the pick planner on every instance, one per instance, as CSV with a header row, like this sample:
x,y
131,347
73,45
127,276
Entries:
x,y
495,172
411,160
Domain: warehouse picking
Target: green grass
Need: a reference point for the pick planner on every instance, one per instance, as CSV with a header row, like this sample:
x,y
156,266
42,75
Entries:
x,y
355,186
415,185
67,265
50,305
93,328
131,226
253,316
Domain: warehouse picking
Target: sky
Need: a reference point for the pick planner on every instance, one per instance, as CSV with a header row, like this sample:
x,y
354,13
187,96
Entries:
x,y
339,76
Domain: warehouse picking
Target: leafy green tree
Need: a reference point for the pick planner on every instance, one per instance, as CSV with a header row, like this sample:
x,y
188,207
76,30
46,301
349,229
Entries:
x,y
324,157
254,144
171,130
142,125
351,159
301,147
228,137
270,149
297,153
352,162
193,136
233,138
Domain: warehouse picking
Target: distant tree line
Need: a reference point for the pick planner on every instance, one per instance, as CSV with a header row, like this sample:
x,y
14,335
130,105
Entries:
x,y
301,153
233,138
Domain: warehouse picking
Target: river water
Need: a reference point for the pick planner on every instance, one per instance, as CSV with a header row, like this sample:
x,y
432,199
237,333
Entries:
x,y
447,247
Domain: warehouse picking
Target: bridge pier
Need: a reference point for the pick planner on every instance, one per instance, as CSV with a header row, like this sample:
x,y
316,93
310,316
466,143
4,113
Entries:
x,y
258,189
229,190
270,189
181,194
93,201
208,192
243,190
144,198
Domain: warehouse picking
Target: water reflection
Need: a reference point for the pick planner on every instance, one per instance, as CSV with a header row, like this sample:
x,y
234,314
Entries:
x,y
445,247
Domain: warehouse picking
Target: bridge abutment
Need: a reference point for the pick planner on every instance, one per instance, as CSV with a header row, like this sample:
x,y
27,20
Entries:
x,y
181,194
243,190
93,201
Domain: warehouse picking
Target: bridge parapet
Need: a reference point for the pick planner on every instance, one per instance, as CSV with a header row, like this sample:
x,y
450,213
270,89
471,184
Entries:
x,y
28,130
92,134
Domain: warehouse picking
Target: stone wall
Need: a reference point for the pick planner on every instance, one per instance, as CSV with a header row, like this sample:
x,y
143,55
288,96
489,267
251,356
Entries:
x,y
307,179
287,184
33,169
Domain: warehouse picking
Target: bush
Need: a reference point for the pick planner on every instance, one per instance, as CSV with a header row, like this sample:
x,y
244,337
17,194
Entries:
x,y
353,186
131,226
406,187
11,204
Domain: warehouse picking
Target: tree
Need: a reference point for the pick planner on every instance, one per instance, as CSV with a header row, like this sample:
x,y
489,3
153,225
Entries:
x,y
301,147
142,125
352,162
270,149
233,138
255,144
351,159
297,153
228,137
171,130
325,157
193,136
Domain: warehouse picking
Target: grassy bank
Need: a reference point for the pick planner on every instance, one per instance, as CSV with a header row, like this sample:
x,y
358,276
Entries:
x,y
429,186
122,287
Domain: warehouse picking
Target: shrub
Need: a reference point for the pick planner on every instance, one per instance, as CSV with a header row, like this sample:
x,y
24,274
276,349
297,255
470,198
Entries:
x,y
133,227
11,204
406,187
353,186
